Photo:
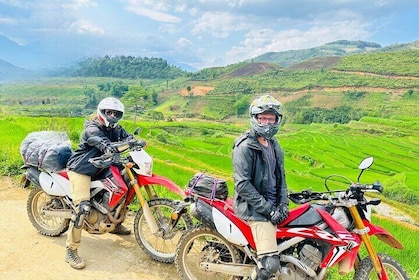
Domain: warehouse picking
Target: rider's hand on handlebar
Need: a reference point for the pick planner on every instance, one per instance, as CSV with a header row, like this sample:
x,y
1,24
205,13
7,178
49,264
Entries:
x,y
142,143
279,214
137,143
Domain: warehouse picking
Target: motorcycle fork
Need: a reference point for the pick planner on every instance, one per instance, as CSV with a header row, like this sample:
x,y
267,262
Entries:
x,y
363,232
151,222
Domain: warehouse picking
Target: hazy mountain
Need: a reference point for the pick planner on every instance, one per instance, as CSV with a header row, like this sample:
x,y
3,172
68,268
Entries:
x,y
9,72
47,56
336,48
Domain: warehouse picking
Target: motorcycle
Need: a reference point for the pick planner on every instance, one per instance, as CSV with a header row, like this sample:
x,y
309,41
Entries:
x,y
129,171
326,230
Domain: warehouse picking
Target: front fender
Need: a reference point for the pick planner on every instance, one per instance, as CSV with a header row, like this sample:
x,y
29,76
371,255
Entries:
x,y
163,181
383,235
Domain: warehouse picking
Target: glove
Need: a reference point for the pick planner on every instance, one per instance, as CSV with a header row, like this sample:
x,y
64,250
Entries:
x,y
279,214
137,143
141,143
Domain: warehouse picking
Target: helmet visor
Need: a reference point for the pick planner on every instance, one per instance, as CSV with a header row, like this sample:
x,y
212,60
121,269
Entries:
x,y
113,113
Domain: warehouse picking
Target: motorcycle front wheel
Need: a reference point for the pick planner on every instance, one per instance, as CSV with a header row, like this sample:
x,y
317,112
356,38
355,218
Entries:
x,y
160,246
203,245
393,269
38,201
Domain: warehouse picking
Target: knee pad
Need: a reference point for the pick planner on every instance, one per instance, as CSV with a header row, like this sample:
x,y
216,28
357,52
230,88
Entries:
x,y
82,210
267,266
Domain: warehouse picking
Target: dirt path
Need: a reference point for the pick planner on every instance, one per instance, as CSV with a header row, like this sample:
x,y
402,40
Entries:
x,y
26,254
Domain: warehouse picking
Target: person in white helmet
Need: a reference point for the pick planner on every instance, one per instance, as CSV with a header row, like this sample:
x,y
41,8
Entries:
x,y
105,125
260,191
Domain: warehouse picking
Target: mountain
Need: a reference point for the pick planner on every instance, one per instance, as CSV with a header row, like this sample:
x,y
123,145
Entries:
x,y
336,48
38,56
9,72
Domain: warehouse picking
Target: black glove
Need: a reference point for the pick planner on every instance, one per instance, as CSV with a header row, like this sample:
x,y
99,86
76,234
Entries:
x,y
279,214
137,143
142,143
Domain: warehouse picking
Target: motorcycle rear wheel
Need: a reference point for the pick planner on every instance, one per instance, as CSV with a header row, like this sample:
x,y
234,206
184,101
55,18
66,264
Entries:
x,y
160,246
393,269
38,200
203,245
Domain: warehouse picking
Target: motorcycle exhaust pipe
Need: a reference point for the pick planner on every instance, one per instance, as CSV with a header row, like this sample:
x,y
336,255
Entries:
x,y
236,269
65,214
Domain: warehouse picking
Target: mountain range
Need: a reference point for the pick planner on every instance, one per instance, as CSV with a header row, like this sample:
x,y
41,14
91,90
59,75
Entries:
x,y
40,59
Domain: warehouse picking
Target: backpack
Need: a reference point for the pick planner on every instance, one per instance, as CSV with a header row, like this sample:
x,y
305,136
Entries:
x,y
208,186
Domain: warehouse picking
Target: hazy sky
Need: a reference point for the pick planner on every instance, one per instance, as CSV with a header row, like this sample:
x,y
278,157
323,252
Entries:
x,y
205,33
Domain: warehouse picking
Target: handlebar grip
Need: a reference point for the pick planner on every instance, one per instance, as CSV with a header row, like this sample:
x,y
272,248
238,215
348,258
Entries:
x,y
376,186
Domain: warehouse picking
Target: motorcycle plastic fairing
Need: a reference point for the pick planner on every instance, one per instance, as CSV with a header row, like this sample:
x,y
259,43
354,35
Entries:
x,y
144,162
228,229
159,180
116,185
226,208
54,184
383,235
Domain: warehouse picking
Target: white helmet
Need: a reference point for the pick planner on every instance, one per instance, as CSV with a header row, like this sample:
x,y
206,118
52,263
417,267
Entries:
x,y
265,104
110,111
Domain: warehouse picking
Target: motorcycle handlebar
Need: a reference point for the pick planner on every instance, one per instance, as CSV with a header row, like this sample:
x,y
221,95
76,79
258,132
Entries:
x,y
307,195
113,155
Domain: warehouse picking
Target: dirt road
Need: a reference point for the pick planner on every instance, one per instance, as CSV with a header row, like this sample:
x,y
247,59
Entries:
x,y
26,254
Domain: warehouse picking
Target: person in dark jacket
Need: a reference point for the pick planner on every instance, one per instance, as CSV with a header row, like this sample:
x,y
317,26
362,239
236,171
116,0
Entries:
x,y
80,171
260,189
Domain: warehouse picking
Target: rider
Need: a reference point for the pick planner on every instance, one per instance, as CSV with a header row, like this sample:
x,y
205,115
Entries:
x,y
260,192
105,125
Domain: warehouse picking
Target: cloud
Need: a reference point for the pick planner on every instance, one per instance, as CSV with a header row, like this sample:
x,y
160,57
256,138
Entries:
x,y
83,27
183,42
153,14
77,4
219,25
9,21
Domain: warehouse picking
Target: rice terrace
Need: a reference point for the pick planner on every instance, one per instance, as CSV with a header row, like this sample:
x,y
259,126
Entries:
x,y
336,112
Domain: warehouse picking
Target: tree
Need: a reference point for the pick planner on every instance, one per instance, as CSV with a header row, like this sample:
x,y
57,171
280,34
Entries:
x,y
135,97
242,105
189,89
155,115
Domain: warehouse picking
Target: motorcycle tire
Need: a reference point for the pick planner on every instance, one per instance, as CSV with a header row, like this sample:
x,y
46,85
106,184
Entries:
x,y
203,244
38,200
160,246
392,267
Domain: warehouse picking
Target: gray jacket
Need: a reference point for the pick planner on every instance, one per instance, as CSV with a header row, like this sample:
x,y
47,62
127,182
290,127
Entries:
x,y
250,178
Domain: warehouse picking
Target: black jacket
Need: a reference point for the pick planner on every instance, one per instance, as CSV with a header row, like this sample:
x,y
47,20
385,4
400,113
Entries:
x,y
79,161
250,178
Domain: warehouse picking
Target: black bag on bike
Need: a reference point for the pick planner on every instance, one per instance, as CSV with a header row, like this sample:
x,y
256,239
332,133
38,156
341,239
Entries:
x,y
208,186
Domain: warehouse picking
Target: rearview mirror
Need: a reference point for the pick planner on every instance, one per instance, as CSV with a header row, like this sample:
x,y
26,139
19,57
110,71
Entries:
x,y
367,162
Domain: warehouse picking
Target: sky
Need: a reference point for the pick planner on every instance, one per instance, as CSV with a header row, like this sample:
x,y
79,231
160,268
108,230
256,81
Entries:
x,y
205,33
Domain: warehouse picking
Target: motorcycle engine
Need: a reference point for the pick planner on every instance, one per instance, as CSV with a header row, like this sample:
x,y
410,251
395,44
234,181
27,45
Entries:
x,y
310,256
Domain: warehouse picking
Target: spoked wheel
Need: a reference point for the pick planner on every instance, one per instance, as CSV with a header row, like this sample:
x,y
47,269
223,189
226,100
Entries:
x,y
393,269
162,245
38,201
199,247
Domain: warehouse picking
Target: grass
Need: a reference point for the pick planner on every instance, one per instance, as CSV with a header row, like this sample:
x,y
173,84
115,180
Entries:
x,y
312,152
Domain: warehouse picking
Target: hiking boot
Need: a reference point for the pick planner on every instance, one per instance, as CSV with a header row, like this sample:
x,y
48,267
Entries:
x,y
121,230
74,260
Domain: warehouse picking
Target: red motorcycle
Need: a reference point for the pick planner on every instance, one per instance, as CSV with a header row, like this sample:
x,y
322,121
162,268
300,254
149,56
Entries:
x,y
325,233
129,176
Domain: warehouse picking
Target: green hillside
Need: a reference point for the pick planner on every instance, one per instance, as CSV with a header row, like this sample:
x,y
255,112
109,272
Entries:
x,y
374,84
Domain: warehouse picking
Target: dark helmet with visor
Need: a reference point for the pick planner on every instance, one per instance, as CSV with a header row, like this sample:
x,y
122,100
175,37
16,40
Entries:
x,y
265,104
